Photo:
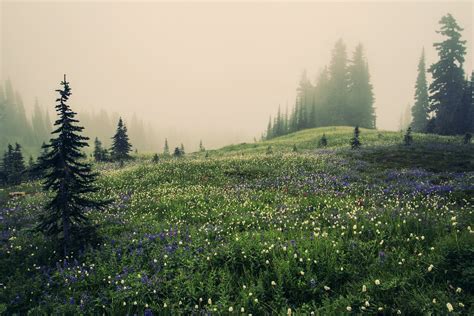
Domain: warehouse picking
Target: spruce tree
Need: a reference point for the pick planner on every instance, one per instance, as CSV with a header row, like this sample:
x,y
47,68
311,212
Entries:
x,y
407,138
201,147
155,158
7,167
420,110
100,153
69,179
166,149
18,166
446,89
181,149
323,142
360,107
177,152
121,146
295,149
338,85
355,142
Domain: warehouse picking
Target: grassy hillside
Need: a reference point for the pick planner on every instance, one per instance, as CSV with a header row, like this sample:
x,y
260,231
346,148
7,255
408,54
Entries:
x,y
386,229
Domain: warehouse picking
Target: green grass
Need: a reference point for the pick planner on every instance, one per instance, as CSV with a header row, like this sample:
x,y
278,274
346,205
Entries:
x,y
305,231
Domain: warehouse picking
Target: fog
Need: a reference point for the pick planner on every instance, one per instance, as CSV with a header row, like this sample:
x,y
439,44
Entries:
x,y
213,71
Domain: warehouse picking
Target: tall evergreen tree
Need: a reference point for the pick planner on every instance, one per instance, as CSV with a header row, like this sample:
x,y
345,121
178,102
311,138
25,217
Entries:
x,y
420,110
360,107
166,148
338,87
18,166
100,153
446,89
121,146
70,179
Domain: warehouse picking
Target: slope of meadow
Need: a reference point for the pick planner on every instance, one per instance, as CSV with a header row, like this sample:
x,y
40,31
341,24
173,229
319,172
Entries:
x,y
386,229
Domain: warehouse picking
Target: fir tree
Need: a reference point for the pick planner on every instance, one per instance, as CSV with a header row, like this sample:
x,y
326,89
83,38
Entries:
x,y
355,142
69,179
201,147
295,149
467,138
121,146
155,158
18,166
407,138
446,89
181,149
420,110
177,152
323,142
100,153
7,167
360,96
166,149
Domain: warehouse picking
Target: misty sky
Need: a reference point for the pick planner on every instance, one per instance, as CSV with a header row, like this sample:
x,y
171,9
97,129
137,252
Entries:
x,y
213,70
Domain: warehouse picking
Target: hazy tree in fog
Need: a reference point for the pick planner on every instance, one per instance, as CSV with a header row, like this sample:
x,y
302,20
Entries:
x,y
323,142
269,133
68,178
121,146
166,148
181,149
420,110
100,153
201,146
447,86
13,165
177,152
360,108
338,85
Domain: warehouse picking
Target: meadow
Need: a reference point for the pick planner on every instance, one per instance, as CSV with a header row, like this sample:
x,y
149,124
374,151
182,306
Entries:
x,y
386,229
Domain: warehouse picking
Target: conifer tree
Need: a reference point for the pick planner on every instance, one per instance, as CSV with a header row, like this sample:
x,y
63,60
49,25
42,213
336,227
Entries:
x,y
295,149
355,142
7,167
323,142
100,153
18,166
177,152
155,158
166,149
68,178
446,89
360,108
420,110
467,138
121,146
338,85
407,138
181,149
201,147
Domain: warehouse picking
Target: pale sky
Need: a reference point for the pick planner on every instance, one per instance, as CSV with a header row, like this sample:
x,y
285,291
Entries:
x,y
213,70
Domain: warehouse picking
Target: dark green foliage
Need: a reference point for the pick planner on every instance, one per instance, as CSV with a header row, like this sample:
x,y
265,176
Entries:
x,y
121,146
355,142
467,138
181,149
100,153
177,153
13,166
407,138
420,110
155,158
323,142
69,179
447,87
295,149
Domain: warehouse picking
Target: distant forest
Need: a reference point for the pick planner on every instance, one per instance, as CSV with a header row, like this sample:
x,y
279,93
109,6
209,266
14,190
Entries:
x,y
31,132
343,95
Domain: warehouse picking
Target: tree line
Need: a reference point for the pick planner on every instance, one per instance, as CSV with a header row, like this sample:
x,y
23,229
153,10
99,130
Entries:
x,y
31,131
341,95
